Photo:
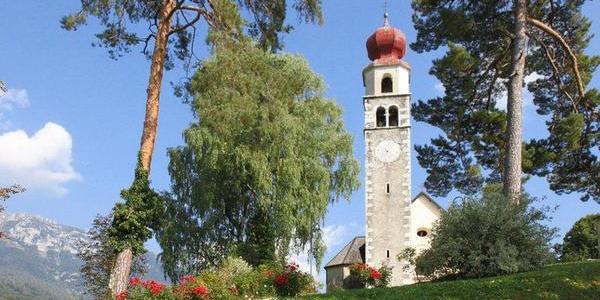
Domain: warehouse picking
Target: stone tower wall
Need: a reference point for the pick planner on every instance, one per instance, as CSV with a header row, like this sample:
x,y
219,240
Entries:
x,y
388,183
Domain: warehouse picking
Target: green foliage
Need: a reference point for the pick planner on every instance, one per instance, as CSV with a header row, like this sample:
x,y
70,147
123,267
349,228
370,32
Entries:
x,y
559,281
266,157
471,124
474,73
363,276
120,20
583,240
232,280
487,236
259,246
133,219
98,258
269,19
409,257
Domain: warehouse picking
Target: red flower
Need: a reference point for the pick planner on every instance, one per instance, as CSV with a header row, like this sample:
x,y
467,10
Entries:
x,y
134,281
375,274
122,295
280,279
154,287
185,279
292,267
146,284
201,292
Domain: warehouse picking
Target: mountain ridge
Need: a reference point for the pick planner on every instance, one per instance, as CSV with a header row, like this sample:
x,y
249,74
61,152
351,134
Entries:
x,y
38,259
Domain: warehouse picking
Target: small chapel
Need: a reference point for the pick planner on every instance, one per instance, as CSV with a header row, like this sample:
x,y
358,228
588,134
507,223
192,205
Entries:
x,y
394,220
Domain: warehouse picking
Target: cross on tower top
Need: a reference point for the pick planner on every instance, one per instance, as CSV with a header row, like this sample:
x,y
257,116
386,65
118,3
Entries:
x,y
385,13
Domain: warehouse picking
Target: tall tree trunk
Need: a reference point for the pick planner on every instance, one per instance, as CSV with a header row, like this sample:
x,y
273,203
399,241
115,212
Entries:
x,y
119,276
512,162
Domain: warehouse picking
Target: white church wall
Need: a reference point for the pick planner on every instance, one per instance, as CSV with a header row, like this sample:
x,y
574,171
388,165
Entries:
x,y
424,214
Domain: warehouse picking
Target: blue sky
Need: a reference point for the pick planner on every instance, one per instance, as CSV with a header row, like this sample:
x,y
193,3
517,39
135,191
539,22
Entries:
x,y
71,125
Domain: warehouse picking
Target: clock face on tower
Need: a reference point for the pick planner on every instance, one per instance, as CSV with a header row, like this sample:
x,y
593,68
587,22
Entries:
x,y
387,151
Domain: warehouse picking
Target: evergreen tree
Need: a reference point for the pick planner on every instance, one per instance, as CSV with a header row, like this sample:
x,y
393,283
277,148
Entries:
x,y
482,143
260,166
583,240
172,24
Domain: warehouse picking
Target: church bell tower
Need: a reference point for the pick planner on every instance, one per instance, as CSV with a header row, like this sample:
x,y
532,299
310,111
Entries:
x,y
387,142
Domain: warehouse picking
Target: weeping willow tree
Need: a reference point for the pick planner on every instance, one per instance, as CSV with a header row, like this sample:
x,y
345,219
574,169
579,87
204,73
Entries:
x,y
172,29
266,156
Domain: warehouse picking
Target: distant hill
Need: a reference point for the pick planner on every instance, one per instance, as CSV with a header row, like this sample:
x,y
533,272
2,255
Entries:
x,y
39,259
580,280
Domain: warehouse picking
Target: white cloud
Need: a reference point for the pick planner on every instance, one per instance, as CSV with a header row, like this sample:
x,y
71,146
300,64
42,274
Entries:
x,y
13,97
42,161
8,101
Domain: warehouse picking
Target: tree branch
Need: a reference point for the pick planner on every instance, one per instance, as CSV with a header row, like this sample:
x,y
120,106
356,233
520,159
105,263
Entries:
x,y
555,70
556,36
200,12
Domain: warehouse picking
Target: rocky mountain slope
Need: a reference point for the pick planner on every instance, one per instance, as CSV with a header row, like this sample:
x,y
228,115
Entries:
x,y
39,259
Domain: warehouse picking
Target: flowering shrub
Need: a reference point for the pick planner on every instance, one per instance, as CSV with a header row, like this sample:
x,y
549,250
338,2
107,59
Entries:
x,y
292,282
148,289
363,275
233,280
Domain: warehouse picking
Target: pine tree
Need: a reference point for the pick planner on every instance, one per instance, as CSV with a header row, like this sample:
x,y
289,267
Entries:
x,y
172,24
259,167
489,54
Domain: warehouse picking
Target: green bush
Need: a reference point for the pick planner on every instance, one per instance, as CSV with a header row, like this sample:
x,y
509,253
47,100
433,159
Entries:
x,y
487,236
583,240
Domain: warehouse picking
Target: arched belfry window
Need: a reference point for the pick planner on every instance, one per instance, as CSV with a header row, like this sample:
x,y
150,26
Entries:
x,y
387,85
393,116
380,115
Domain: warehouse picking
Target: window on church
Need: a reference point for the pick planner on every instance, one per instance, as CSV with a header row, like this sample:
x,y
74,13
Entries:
x,y
422,233
387,86
388,253
387,188
393,116
380,117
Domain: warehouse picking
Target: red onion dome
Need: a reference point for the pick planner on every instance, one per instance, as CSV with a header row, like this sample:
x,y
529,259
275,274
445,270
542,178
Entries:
x,y
387,45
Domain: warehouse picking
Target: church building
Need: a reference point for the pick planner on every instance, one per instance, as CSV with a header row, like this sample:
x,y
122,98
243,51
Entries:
x,y
394,220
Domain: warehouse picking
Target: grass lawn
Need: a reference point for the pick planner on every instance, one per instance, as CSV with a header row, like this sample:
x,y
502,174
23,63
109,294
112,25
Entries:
x,y
579,280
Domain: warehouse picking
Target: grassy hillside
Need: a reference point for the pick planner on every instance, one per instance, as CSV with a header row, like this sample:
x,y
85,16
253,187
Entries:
x,y
559,281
